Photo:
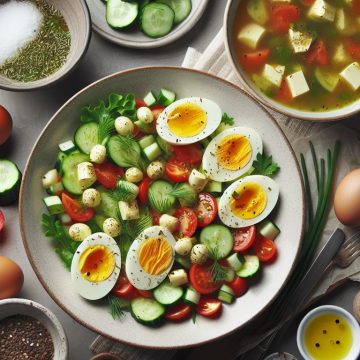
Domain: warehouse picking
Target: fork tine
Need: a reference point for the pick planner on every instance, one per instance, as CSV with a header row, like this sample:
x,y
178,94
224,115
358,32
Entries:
x,y
353,256
351,241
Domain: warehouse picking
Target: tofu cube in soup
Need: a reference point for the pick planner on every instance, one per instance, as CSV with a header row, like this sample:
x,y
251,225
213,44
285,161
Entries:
x,y
322,11
273,74
300,41
351,74
297,83
340,56
251,34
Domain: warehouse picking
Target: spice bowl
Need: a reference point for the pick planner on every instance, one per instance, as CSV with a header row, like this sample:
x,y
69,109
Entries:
x,y
329,331
24,307
56,61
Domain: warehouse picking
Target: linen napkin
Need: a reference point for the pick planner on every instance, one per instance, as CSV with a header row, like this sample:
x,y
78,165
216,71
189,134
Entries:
x,y
323,135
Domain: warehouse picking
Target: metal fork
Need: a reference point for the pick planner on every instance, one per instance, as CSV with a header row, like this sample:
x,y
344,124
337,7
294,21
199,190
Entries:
x,y
349,252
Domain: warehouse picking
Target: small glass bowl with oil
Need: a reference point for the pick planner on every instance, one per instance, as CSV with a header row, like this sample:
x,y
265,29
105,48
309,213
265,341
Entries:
x,y
329,333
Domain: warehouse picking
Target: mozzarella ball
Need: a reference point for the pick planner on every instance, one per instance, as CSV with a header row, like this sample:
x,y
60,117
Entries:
x,y
91,198
145,114
124,126
199,254
183,246
169,222
98,154
111,227
155,169
134,175
79,231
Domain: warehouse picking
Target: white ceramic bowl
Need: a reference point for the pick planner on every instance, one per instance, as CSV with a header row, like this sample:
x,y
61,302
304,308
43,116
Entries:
x,y
289,213
229,22
10,307
330,309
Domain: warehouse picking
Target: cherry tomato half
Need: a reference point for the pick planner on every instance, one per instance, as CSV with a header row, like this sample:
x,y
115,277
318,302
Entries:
x,y
2,220
155,217
143,190
177,171
5,125
317,54
123,288
265,249
145,293
187,221
238,285
108,174
178,312
282,16
209,307
139,103
201,279
253,61
206,209
189,154
244,238
75,210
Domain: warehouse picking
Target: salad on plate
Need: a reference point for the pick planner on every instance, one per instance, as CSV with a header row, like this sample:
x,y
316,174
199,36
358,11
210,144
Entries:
x,y
161,206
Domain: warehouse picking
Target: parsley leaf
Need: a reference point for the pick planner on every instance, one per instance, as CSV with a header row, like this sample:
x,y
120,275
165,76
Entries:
x,y
264,165
227,119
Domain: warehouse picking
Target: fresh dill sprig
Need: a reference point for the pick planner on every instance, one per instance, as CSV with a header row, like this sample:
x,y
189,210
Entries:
x,y
218,272
134,227
125,191
106,127
118,306
185,193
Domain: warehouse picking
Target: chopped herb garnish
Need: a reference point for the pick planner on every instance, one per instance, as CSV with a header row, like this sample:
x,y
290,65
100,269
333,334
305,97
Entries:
x,y
264,165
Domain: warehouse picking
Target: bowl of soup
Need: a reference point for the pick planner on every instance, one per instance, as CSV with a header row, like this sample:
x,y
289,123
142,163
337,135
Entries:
x,y
299,57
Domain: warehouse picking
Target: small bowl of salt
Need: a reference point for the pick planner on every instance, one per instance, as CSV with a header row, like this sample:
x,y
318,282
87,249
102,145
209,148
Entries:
x,y
41,41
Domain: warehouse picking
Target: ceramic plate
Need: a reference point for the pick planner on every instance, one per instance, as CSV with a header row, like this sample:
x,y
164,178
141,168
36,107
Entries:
x,y
135,38
289,215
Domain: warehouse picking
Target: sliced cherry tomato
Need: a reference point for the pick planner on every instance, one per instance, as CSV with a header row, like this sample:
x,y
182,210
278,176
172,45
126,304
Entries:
x,y
282,15
177,171
209,307
189,154
353,48
107,174
178,312
75,210
187,222
155,217
284,93
157,110
201,279
123,288
317,54
206,209
143,190
244,238
5,125
2,220
239,286
254,61
145,293
139,103
265,249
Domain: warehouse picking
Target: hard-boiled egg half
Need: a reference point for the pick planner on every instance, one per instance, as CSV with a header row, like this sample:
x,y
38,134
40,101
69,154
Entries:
x,y
150,257
188,120
248,201
231,153
96,266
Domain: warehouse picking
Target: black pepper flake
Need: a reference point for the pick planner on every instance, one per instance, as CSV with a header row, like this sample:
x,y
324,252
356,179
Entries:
x,y
317,345
337,342
337,321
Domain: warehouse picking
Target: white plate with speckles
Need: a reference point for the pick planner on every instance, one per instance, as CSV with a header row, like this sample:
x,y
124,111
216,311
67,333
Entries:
x,y
289,213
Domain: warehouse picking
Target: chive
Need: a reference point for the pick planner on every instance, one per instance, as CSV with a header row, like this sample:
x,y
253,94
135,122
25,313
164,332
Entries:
x,y
307,190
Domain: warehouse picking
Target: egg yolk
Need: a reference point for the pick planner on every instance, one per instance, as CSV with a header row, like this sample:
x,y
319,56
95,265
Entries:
x,y
155,255
96,263
248,201
233,152
187,120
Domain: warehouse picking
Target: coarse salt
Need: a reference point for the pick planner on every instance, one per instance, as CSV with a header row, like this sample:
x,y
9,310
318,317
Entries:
x,y
19,24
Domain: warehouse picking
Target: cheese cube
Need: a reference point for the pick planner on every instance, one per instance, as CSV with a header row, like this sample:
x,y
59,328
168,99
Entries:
x,y
297,83
300,41
340,56
280,69
344,24
273,75
351,74
129,211
251,34
322,11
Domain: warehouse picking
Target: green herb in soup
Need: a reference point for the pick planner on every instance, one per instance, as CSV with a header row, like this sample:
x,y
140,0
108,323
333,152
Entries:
x,y
302,53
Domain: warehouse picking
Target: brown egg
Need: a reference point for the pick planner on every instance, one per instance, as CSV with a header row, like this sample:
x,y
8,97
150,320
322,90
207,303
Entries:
x,y
11,278
347,199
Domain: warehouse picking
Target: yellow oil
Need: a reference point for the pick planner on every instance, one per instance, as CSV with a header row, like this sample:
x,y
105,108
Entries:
x,y
328,337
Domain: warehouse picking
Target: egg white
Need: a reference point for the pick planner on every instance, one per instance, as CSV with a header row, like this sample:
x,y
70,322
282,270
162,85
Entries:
x,y
213,113
91,290
271,189
210,164
136,275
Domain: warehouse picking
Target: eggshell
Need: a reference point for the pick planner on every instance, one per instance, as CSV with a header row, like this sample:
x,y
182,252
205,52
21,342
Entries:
x,y
347,199
11,278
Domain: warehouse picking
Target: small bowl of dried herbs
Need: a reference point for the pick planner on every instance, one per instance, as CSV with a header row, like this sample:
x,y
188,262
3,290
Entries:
x,y
28,330
41,41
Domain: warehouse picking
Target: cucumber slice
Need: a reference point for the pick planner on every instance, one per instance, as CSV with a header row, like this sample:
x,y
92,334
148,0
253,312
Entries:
x,y
150,99
159,196
167,294
157,20
226,294
121,14
236,261
218,240
67,147
69,169
257,11
166,97
229,274
152,151
144,127
147,311
108,206
164,146
250,267
54,205
181,8
191,297
58,164
124,152
10,179
268,229
86,137
56,188
146,141
183,261
327,79
213,186
126,191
